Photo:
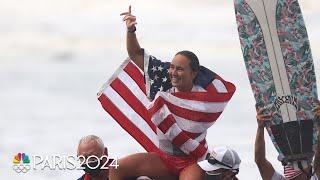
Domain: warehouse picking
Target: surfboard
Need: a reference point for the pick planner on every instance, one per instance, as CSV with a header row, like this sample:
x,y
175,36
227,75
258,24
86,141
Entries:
x,y
279,64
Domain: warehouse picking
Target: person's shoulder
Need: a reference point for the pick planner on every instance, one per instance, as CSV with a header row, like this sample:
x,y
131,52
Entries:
x,y
314,177
82,177
277,176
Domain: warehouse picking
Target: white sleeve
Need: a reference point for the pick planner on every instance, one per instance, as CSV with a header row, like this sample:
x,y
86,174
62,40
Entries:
x,y
314,177
277,176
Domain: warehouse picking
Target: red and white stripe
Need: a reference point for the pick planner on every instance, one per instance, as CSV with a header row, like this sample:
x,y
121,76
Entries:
x,y
182,117
291,173
185,117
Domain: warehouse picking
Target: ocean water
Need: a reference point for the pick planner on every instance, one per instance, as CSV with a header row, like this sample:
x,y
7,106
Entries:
x,y
55,55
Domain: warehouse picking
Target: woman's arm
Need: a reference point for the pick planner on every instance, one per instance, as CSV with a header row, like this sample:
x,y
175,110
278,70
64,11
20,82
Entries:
x,y
134,50
265,167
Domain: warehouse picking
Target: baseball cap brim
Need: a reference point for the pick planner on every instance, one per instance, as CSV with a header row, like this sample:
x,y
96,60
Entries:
x,y
206,166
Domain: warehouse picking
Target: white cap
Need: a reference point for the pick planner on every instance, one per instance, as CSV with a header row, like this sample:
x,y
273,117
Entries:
x,y
227,159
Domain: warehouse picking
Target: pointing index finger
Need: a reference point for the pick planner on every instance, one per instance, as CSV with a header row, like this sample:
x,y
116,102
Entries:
x,y
125,13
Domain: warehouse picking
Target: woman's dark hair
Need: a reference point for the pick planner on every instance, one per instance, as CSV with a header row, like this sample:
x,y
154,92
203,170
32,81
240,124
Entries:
x,y
194,61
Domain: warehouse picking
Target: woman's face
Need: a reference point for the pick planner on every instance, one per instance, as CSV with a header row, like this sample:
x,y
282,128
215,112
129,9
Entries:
x,y
181,74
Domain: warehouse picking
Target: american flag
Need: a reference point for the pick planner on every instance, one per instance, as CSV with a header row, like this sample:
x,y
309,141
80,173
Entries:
x,y
182,117
291,173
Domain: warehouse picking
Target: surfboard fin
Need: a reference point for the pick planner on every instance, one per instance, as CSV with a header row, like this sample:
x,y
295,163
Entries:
x,y
294,145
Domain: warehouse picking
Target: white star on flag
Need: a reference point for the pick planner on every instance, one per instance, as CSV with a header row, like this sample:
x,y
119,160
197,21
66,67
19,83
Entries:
x,y
160,68
164,79
154,69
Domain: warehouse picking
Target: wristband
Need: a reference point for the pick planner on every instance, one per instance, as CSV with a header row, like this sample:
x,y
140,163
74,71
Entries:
x,y
132,31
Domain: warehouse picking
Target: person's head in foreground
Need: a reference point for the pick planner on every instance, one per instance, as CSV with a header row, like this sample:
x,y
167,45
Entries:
x,y
183,70
91,150
221,164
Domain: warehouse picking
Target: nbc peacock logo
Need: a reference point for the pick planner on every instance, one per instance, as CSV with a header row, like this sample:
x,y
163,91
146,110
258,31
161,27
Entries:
x,y
21,163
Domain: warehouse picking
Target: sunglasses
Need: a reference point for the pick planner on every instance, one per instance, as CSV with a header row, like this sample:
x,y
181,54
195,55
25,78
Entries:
x,y
213,161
